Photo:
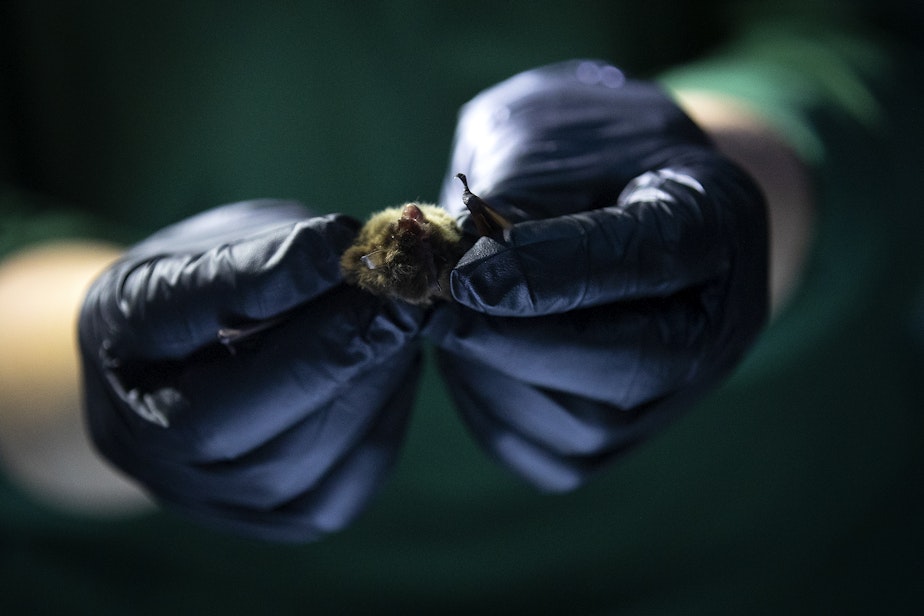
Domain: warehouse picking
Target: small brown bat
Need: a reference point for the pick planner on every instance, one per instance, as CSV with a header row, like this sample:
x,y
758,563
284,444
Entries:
x,y
407,252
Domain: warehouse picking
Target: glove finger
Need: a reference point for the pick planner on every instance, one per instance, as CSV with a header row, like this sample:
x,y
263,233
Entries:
x,y
297,460
491,406
350,486
668,232
297,487
552,439
169,305
624,355
221,403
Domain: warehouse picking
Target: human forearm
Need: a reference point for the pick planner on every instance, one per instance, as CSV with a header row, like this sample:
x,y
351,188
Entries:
x,y
740,132
42,440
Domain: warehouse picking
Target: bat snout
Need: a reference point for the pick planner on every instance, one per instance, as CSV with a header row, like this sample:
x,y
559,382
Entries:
x,y
409,226
412,212
413,221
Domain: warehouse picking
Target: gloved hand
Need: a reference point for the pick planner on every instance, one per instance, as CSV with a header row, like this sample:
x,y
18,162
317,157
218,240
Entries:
x,y
634,277
229,371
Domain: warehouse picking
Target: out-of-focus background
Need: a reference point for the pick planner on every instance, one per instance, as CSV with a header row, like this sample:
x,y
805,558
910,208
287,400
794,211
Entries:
x,y
795,488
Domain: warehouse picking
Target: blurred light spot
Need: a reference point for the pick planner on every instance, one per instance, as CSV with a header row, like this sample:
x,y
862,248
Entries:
x,y
612,77
607,75
588,72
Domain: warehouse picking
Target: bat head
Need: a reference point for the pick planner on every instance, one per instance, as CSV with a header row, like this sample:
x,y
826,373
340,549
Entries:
x,y
405,252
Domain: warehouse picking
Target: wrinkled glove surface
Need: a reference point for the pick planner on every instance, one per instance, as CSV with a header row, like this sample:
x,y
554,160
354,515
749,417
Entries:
x,y
228,370
231,372
635,275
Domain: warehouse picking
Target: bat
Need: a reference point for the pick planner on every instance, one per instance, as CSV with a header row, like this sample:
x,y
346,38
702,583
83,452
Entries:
x,y
407,252
404,252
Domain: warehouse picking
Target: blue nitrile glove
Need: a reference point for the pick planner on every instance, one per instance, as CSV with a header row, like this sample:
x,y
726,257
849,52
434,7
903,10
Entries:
x,y
634,276
231,373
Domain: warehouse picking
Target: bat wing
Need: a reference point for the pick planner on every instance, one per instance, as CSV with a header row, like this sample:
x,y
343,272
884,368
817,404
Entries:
x,y
487,221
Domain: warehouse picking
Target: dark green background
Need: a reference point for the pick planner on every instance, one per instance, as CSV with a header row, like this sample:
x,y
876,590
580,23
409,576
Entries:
x,y
795,488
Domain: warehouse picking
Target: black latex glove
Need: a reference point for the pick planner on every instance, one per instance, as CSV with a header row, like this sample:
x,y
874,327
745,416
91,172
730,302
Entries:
x,y
229,371
634,278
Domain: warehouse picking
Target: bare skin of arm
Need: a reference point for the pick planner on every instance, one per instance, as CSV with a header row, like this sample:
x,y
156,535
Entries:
x,y
42,441
742,135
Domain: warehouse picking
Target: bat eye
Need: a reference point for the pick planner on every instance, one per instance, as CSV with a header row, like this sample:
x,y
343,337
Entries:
x,y
374,259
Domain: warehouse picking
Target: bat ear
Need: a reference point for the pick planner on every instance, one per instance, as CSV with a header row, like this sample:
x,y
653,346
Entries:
x,y
374,259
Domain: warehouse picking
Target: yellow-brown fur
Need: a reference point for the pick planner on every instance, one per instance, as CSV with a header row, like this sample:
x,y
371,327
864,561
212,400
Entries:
x,y
408,261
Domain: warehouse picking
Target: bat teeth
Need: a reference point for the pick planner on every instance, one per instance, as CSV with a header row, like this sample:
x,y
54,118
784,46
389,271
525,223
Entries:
x,y
409,225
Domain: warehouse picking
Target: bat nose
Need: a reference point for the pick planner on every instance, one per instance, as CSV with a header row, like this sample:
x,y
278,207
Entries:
x,y
413,212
